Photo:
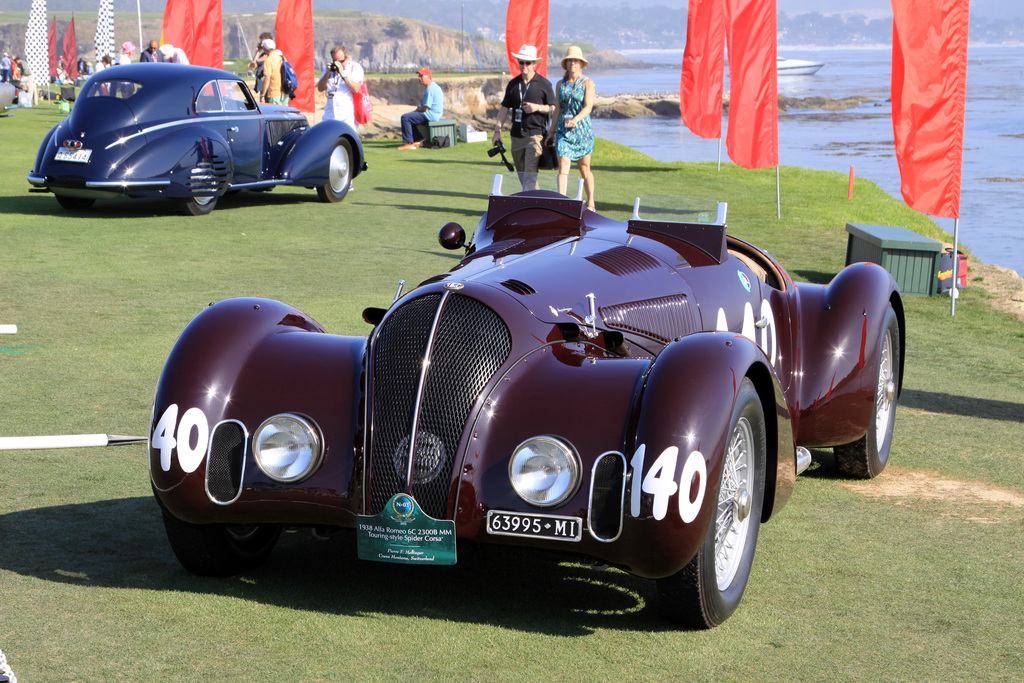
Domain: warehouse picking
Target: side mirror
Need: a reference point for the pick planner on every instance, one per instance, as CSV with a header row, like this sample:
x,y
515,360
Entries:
x,y
373,316
452,236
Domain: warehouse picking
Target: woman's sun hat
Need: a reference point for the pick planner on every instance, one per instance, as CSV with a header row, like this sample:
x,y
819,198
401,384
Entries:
x,y
574,52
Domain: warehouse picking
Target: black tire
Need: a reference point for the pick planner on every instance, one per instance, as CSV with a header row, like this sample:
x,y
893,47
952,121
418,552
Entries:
x,y
219,549
866,457
708,590
198,206
339,174
74,203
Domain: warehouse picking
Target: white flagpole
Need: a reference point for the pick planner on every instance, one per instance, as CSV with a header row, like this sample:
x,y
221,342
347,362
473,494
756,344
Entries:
x,y
778,196
719,153
138,9
954,292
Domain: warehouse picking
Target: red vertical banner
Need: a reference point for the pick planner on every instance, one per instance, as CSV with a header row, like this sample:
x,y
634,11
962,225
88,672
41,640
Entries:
x,y
71,50
701,83
293,33
52,49
929,92
526,23
753,135
178,26
207,34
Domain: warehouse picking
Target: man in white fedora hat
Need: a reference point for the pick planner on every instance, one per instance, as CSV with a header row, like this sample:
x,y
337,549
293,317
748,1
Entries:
x,y
530,99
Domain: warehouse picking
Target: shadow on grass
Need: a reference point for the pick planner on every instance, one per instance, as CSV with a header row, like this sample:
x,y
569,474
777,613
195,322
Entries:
x,y
45,204
966,406
121,544
437,193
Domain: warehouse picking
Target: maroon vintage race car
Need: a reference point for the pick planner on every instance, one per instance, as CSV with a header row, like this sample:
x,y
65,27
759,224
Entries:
x,y
641,394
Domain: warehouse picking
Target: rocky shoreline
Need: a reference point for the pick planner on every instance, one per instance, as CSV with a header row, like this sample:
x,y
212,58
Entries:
x,y
475,100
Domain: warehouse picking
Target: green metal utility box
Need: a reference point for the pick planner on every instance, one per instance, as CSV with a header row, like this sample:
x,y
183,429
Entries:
x,y
912,259
441,127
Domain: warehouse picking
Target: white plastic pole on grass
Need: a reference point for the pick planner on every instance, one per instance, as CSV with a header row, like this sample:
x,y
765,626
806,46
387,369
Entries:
x,y
954,293
8,329
36,443
778,195
719,154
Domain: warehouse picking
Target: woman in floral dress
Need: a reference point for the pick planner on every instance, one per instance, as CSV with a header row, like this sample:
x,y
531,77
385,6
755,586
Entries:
x,y
573,134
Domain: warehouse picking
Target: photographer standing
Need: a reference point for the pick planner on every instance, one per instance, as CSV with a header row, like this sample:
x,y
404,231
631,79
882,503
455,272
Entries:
x,y
342,77
531,100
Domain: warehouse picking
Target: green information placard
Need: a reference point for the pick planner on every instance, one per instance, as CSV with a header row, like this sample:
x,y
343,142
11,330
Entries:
x,y
403,533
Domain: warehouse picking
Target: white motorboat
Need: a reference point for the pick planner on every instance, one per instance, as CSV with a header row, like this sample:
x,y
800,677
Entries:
x,y
797,67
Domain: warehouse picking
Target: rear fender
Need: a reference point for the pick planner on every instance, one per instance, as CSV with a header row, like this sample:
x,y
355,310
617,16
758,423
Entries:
x,y
238,363
681,436
307,162
840,330
47,140
197,161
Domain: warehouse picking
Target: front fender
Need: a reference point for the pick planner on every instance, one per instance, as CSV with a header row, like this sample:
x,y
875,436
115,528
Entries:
x,y
308,161
236,364
681,434
840,331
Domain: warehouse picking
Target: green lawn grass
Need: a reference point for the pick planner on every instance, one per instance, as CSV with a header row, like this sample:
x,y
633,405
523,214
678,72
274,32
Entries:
x,y
845,586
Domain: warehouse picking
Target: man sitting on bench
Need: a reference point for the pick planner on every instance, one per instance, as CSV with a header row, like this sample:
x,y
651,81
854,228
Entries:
x,y
431,108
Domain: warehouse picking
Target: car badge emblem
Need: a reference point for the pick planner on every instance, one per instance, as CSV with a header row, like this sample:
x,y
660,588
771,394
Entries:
x,y
744,280
403,506
453,285
73,144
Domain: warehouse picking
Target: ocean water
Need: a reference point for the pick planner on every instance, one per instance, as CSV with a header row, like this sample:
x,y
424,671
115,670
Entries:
x,y
992,185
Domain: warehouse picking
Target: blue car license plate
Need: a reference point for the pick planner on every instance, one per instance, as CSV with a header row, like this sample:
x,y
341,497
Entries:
x,y
533,525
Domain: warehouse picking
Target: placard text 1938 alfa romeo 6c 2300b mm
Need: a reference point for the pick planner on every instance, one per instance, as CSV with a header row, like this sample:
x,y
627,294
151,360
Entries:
x,y
642,394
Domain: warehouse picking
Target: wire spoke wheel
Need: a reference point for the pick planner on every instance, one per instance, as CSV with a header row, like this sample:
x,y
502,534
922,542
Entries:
x,y
708,590
866,457
734,496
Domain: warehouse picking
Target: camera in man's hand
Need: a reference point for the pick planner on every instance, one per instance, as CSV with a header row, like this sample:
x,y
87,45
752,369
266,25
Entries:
x,y
334,67
499,148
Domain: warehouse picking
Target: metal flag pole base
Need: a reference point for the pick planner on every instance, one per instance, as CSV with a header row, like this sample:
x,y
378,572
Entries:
x,y
37,443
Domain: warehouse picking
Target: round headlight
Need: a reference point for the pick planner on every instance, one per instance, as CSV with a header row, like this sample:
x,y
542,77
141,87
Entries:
x,y
544,471
287,448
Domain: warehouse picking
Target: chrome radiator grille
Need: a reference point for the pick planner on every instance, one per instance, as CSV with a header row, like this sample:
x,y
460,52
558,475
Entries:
x,y
469,345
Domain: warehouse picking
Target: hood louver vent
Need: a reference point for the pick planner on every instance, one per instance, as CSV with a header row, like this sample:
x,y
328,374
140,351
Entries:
x,y
662,319
624,260
519,287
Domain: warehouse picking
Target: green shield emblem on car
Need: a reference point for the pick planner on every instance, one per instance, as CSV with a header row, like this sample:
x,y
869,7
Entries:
x,y
403,533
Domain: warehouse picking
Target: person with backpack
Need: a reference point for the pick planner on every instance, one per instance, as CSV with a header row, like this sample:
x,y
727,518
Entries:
x,y
342,77
273,75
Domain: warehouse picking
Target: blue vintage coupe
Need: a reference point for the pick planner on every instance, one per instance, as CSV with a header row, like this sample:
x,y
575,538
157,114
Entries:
x,y
189,134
